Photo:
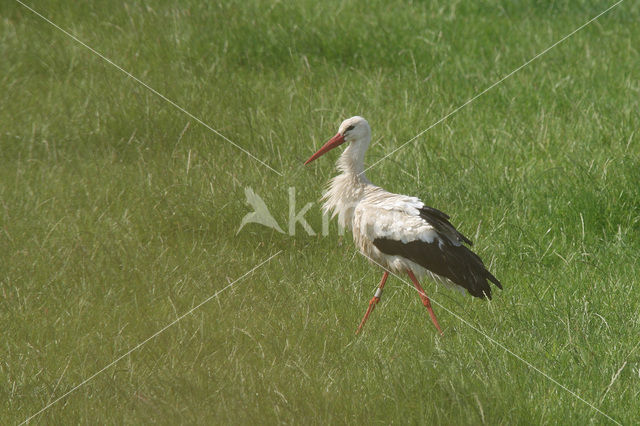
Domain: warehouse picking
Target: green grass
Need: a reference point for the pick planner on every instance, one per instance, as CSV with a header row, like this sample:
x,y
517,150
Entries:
x,y
118,213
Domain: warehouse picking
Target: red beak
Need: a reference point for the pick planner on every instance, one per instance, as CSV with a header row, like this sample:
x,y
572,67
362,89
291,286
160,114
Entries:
x,y
335,141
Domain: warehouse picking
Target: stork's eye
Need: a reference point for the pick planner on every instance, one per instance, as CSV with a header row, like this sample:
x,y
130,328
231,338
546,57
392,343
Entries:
x,y
349,128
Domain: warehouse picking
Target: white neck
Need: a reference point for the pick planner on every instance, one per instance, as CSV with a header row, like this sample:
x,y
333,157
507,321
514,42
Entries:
x,y
352,159
348,188
351,163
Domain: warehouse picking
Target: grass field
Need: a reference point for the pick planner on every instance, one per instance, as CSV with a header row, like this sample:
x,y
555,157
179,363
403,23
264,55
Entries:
x,y
118,212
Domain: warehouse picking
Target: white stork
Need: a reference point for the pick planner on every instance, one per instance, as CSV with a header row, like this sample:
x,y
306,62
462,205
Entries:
x,y
398,232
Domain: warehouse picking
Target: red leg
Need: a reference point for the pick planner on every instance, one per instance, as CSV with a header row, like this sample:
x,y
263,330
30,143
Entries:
x,y
374,300
425,300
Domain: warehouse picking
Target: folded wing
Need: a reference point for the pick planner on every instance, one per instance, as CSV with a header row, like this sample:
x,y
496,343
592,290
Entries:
x,y
425,236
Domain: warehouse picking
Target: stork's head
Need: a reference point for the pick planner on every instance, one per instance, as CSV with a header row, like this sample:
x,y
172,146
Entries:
x,y
354,130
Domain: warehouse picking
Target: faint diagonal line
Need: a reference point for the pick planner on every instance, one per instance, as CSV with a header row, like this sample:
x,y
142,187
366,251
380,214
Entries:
x,y
494,84
509,351
139,345
151,89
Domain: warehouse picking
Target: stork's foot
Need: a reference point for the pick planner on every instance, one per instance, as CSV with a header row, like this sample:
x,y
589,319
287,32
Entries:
x,y
425,301
374,301
372,304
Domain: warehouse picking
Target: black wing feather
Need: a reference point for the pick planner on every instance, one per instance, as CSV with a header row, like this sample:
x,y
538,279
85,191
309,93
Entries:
x,y
440,222
442,256
457,263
